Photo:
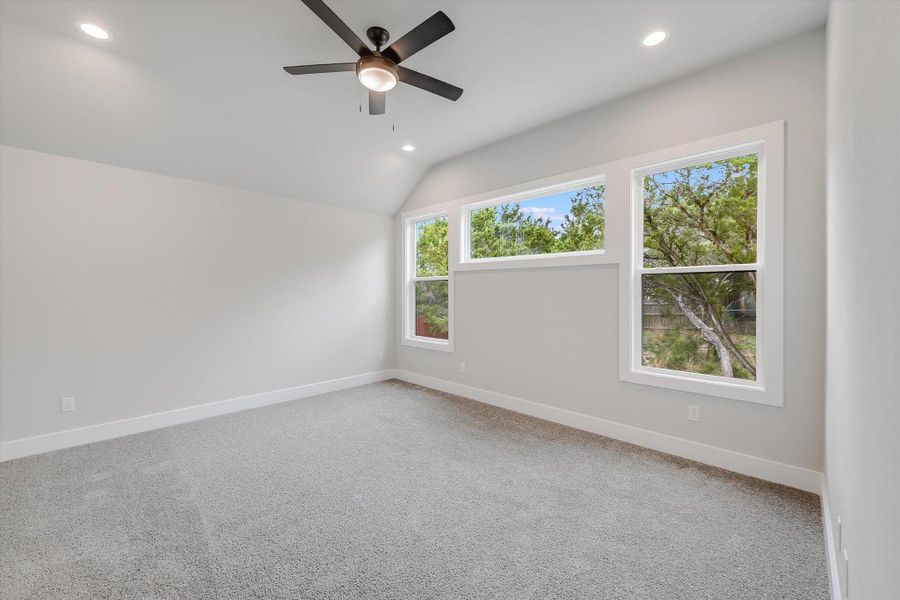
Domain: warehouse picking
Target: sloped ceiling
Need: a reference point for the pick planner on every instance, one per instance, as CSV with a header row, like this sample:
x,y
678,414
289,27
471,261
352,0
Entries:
x,y
194,88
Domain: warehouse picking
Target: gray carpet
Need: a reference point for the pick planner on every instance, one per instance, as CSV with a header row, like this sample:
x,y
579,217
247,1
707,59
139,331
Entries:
x,y
395,491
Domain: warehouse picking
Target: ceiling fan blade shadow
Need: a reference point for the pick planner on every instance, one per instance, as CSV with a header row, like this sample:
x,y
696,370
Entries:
x,y
376,102
338,26
430,84
421,36
325,68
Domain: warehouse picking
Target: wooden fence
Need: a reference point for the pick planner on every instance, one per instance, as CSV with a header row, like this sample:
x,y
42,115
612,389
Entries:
x,y
660,317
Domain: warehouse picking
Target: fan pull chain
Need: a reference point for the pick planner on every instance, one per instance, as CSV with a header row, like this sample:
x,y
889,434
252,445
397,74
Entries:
x,y
395,108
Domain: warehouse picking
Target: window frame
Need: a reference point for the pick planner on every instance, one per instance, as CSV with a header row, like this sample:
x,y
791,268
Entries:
x,y
410,278
767,141
584,257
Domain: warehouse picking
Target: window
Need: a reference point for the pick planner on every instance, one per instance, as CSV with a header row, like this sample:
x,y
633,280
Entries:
x,y
428,303
568,218
698,280
702,300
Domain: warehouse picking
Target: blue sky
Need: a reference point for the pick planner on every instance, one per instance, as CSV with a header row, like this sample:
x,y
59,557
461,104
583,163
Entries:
x,y
554,207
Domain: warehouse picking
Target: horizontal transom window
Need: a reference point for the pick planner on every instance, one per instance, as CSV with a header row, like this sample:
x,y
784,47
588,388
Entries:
x,y
563,219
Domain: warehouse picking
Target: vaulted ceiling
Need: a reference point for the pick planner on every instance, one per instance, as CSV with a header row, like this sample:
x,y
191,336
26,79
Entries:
x,y
194,88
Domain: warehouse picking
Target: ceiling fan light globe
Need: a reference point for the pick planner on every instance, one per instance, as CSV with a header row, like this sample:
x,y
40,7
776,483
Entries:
x,y
377,73
377,79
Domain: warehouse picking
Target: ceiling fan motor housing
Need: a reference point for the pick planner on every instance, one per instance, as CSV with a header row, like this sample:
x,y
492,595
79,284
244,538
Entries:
x,y
378,36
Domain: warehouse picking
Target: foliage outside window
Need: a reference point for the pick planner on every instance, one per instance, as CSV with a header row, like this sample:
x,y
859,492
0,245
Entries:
x,y
570,221
430,280
698,279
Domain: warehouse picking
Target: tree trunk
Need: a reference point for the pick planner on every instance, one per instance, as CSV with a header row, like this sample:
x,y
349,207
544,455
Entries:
x,y
751,368
717,327
709,335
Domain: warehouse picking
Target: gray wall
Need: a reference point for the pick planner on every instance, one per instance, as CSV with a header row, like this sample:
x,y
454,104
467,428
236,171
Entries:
x,y
550,335
863,394
139,293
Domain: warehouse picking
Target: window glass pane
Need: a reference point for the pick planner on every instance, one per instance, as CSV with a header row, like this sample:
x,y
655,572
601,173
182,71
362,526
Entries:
x,y
700,323
565,222
704,214
431,247
432,309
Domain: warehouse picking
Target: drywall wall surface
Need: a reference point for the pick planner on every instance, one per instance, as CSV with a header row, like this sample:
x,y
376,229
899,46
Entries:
x,y
550,335
863,389
139,293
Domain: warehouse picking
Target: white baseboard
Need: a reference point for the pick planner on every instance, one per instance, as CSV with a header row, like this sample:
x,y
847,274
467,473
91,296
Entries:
x,y
762,468
831,550
113,429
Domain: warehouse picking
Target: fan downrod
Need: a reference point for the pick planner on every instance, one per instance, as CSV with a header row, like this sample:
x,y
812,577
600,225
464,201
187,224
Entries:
x,y
378,36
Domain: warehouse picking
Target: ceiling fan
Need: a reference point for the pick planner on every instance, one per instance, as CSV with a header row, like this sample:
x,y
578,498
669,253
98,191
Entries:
x,y
380,70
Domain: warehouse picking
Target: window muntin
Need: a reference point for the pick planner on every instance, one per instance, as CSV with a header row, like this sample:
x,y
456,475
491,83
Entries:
x,y
698,277
567,219
430,281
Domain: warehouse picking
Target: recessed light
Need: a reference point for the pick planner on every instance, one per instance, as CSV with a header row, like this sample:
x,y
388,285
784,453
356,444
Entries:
x,y
408,148
94,31
655,37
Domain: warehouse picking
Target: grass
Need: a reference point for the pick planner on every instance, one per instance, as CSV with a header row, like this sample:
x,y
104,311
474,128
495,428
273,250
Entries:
x,y
686,350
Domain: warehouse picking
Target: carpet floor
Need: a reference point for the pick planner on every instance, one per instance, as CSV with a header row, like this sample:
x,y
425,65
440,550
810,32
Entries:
x,y
396,491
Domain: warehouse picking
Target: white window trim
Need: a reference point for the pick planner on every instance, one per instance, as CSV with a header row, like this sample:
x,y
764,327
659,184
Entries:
x,y
768,389
560,183
409,293
454,210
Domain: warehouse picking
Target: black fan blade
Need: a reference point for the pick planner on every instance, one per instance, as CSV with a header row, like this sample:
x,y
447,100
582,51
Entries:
x,y
424,34
430,84
339,27
376,102
329,68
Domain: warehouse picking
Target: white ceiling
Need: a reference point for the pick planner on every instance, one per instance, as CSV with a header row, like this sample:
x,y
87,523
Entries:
x,y
194,88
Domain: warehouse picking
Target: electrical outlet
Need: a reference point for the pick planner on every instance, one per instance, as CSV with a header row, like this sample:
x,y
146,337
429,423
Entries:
x,y
693,413
67,404
381,356
462,367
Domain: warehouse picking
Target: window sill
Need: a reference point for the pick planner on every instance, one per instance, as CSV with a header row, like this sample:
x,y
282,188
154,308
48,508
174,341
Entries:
x,y
428,344
534,261
719,387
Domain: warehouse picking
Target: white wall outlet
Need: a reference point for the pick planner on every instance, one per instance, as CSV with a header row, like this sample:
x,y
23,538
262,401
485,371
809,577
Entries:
x,y
67,404
462,367
693,413
381,356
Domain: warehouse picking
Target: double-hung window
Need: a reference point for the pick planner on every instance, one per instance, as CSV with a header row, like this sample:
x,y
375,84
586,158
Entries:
x,y
428,293
705,306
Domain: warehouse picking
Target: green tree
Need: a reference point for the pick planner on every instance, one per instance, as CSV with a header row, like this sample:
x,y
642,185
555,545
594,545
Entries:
x,y
431,248
432,299
584,227
507,230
